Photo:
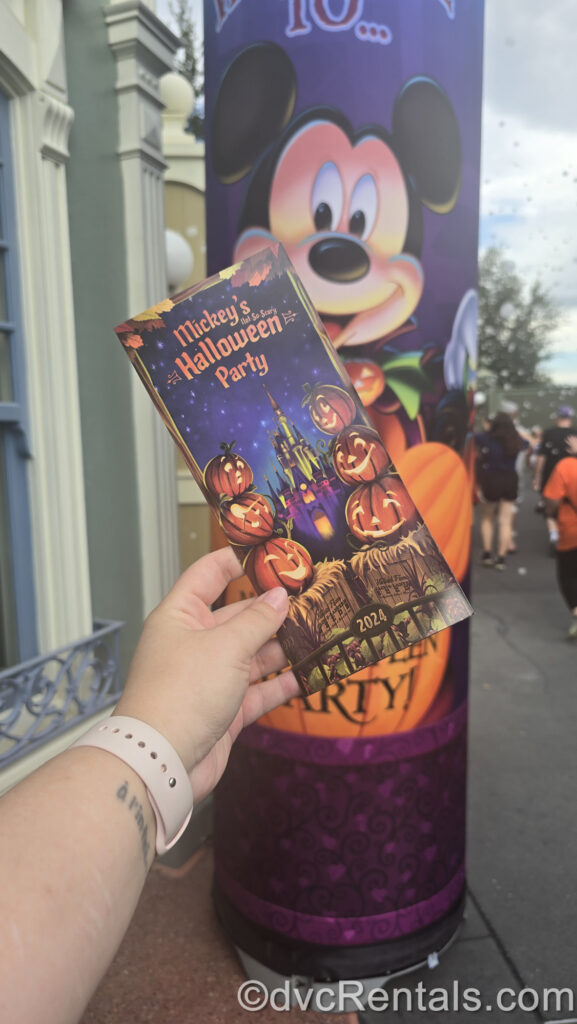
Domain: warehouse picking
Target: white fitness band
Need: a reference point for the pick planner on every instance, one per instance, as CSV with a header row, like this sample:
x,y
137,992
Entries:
x,y
152,758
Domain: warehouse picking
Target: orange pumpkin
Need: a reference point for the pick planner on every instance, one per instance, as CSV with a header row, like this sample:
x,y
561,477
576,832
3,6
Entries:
x,y
367,379
228,474
279,562
379,511
331,407
392,696
247,519
438,483
359,456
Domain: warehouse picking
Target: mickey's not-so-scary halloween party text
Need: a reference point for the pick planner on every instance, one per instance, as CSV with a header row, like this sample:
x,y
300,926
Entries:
x,y
252,327
252,391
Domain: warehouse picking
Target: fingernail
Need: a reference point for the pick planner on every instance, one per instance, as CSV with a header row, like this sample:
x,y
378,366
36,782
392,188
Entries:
x,y
277,598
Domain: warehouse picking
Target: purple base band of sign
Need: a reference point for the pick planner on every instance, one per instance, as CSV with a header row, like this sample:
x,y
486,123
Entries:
x,y
299,747
343,931
344,842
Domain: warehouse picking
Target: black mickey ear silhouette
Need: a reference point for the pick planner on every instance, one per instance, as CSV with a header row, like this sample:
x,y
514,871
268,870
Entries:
x,y
254,104
427,135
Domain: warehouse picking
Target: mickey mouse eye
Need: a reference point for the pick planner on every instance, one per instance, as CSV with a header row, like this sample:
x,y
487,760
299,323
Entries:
x,y
327,198
364,206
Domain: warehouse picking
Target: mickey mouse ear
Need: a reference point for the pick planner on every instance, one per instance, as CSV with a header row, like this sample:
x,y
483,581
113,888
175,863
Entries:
x,y
426,131
254,104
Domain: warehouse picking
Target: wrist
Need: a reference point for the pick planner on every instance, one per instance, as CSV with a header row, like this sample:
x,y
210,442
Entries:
x,y
145,711
152,758
129,795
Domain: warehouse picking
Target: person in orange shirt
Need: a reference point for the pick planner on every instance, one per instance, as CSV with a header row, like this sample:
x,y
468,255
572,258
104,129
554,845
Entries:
x,y
560,494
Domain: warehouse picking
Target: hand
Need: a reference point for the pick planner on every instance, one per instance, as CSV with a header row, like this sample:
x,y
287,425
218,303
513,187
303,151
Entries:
x,y
571,444
190,674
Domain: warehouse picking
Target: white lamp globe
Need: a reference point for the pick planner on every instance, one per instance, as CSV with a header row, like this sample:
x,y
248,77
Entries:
x,y
179,259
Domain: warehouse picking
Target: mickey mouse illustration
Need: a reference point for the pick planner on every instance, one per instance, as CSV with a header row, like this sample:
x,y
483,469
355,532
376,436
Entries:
x,y
346,204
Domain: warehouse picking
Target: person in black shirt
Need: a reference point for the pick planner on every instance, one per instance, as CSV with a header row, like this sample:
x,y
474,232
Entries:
x,y
553,448
498,484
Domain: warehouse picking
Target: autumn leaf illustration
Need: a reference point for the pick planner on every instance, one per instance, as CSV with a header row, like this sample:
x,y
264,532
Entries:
x,y
258,277
152,314
255,270
132,341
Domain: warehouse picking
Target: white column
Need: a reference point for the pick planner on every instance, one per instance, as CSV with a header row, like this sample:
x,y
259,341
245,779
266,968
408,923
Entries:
x,y
144,48
41,123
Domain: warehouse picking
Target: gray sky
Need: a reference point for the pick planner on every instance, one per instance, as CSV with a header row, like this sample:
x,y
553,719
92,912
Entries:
x,y
529,151
529,162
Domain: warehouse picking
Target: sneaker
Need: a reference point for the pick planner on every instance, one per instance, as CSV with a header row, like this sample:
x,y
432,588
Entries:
x,y
487,559
572,634
500,564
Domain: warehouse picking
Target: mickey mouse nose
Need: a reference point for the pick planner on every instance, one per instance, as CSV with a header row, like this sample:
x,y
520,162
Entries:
x,y
339,259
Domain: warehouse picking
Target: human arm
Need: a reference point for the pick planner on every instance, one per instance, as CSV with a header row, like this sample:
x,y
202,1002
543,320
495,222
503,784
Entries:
x,y
74,847
538,472
554,492
551,508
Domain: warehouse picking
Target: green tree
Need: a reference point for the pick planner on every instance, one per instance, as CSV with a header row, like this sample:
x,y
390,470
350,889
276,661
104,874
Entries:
x,y
188,60
515,324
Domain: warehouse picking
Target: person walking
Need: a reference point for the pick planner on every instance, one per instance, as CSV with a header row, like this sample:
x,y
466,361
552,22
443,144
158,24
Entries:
x,y
560,494
498,486
551,451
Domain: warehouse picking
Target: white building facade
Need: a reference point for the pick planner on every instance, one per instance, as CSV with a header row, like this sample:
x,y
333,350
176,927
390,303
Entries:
x,y
88,508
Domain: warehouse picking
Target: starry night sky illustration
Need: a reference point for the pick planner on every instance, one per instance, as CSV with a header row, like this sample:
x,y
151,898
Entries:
x,y
206,413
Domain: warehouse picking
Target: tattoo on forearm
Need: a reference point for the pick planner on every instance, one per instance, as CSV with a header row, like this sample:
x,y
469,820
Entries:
x,y
135,808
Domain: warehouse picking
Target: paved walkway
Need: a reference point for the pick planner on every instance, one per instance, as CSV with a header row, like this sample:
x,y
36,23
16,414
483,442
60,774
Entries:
x,y
521,929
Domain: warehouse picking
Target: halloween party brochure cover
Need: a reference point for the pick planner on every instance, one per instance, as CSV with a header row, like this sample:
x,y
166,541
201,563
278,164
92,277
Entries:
x,y
252,391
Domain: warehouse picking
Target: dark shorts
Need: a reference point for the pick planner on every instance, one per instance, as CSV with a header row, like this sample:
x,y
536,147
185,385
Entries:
x,y
499,485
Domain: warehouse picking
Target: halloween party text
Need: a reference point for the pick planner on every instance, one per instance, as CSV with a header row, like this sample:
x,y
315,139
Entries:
x,y
226,355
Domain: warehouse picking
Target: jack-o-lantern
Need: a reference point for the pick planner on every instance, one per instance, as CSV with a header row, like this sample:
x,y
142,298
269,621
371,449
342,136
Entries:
x,y
228,474
282,562
367,378
359,456
379,511
247,519
331,408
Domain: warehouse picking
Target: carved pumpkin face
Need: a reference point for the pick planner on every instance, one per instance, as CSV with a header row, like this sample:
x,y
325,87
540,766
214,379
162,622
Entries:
x,y
331,408
282,562
228,474
359,456
379,511
367,378
247,519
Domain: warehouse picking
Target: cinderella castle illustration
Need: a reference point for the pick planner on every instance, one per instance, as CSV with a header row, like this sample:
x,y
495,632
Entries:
x,y
304,487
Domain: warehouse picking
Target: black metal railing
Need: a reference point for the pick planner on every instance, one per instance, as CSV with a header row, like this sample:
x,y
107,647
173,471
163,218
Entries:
x,y
44,697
